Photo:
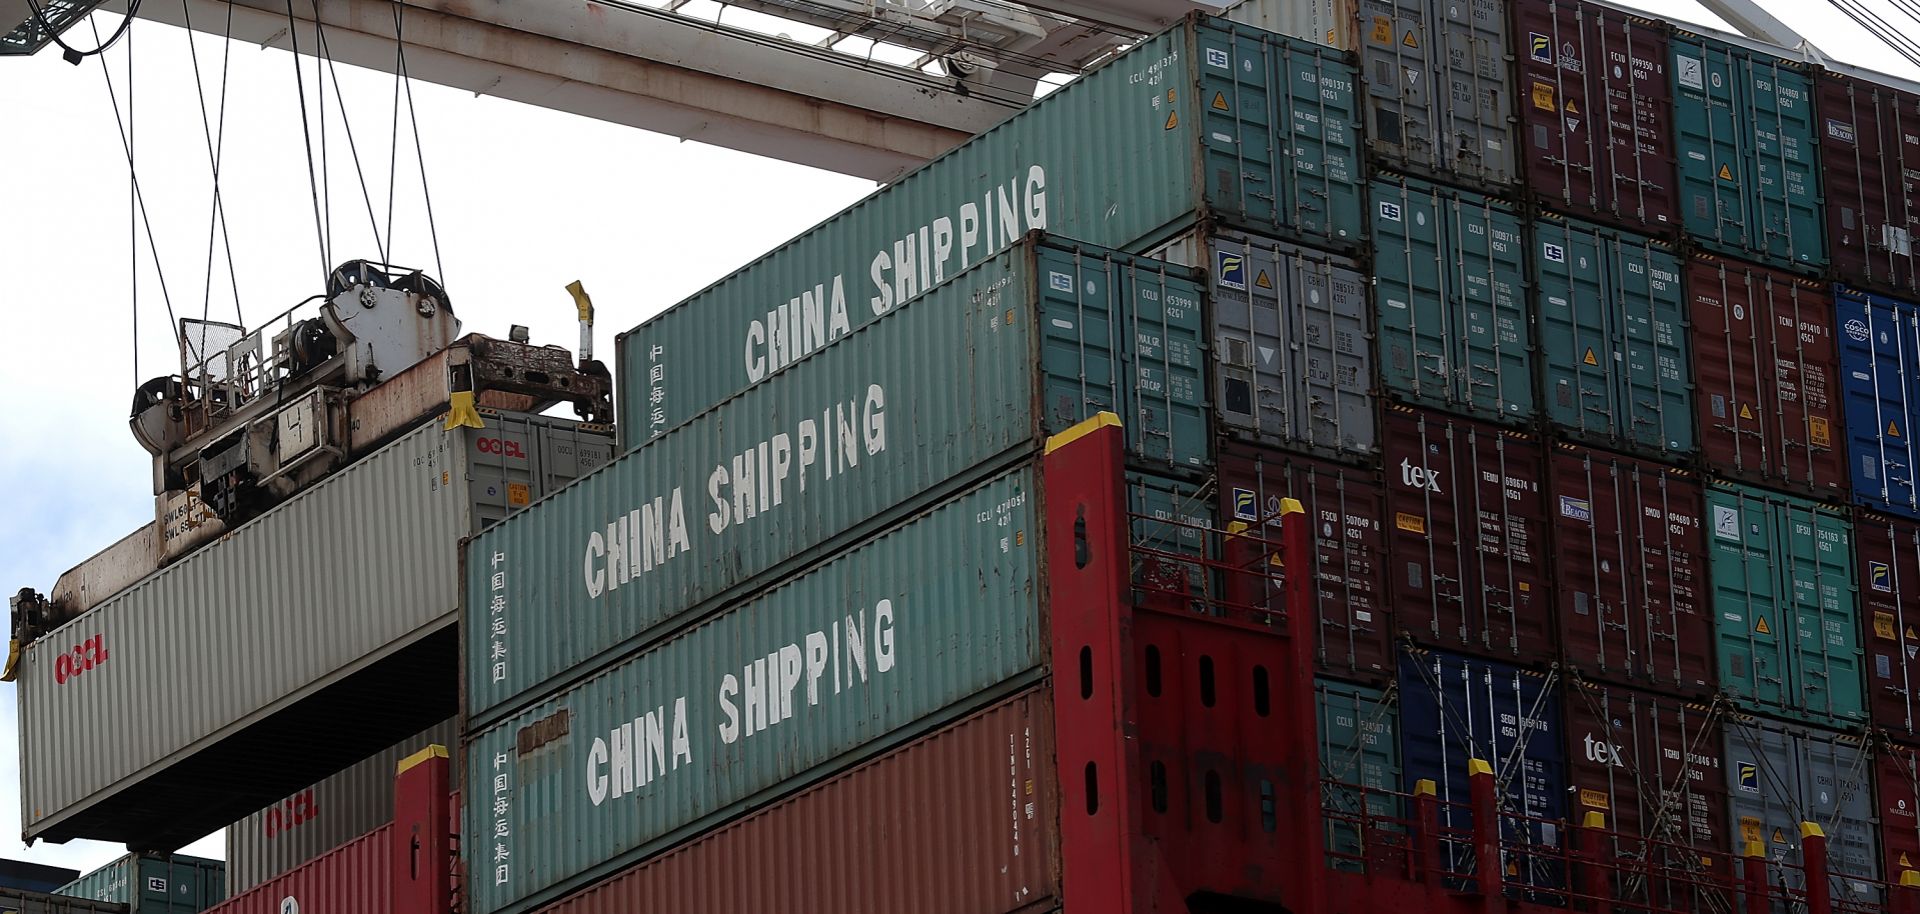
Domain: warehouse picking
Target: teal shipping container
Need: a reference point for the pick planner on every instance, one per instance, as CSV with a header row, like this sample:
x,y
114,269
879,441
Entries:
x,y
1208,120
1614,357
155,884
905,411
912,629
1749,178
1785,601
1359,729
1449,298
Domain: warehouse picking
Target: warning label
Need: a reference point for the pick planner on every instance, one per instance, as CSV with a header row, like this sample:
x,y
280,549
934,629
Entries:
x,y
1893,429
1588,358
1593,799
1382,30
1412,523
1818,432
1760,626
1173,119
1726,174
1263,280
1883,627
1220,102
1543,96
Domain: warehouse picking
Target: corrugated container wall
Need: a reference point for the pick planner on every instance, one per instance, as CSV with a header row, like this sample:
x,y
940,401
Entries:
x,y
1614,357
1467,550
1786,605
905,411
1359,729
350,879
1596,113
880,641
23,901
1349,521
320,818
1652,765
1897,787
1292,337
1209,119
1889,556
1784,774
1869,155
306,598
1439,90
1455,708
1767,370
153,884
992,846
1450,300
1749,178
1880,374
1630,569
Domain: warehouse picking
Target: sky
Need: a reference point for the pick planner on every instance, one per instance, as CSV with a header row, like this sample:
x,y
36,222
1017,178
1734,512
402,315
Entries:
x,y
525,201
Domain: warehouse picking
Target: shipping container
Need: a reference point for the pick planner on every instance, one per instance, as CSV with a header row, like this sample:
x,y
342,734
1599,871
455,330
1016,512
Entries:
x,y
1347,513
349,879
1786,605
1614,360
1439,90
1651,764
1209,119
1292,343
1454,709
33,877
1359,730
1880,377
1467,550
1869,153
907,410
29,901
280,642
1630,571
317,819
1889,582
1596,111
1450,300
1766,366
1784,774
1744,128
155,884
1896,770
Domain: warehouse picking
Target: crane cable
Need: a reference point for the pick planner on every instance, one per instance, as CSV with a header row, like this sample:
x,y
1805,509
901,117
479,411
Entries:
x,y
1879,28
419,151
216,145
306,131
72,54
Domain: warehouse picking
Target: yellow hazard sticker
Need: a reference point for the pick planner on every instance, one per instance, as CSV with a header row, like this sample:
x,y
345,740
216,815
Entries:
x,y
1572,108
1910,634
1883,626
1220,102
1589,358
1818,432
519,494
1779,835
1543,96
1410,41
1746,411
1726,174
1593,799
1173,119
1761,627
1412,523
1903,859
1382,30
1893,429
1749,828
1263,281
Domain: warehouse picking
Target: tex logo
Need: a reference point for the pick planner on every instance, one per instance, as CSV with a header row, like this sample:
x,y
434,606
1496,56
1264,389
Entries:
x,y
1747,776
1540,47
1880,575
1230,270
1245,507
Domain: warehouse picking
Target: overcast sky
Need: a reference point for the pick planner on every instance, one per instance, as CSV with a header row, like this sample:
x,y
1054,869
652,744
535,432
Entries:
x,y
526,200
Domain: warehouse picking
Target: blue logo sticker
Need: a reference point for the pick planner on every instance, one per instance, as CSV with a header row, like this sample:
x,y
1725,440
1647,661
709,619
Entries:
x,y
1244,507
1061,282
1230,270
1540,46
1577,508
1747,774
1880,575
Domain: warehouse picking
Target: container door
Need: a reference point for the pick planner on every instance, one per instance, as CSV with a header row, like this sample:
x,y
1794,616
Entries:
x,y
1476,131
1889,551
1897,773
1416,327
1167,362
1324,186
1783,775
1880,352
1397,66
1747,598
1826,654
1713,154
1581,355
1236,106
1488,280
1657,383
1786,179
1359,731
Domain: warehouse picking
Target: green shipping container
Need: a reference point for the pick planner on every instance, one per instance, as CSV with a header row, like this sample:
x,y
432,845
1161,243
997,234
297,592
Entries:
x,y
153,884
1210,118
1613,338
900,414
1450,302
903,633
1749,180
1359,748
1785,601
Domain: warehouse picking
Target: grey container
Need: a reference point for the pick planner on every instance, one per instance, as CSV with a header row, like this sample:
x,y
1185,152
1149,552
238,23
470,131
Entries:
x,y
1780,775
1292,343
312,821
20,901
269,660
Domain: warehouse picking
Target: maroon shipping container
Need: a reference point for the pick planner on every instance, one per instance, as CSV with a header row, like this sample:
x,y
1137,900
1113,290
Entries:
x,y
1869,153
1630,570
1888,551
1350,561
1467,551
353,877
1897,784
1597,113
1652,764
1766,366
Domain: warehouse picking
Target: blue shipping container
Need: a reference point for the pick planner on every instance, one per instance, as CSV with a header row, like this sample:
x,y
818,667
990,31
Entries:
x,y
1880,385
1454,708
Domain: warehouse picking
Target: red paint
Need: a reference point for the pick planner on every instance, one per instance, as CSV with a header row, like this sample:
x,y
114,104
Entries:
x,y
293,812
80,659
1897,784
1466,547
1767,373
1346,513
1596,113
421,856
1869,151
349,878
503,447
1888,552
1630,566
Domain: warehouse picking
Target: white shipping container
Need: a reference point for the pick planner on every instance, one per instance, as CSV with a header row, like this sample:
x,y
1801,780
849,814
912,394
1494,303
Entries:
x,y
296,645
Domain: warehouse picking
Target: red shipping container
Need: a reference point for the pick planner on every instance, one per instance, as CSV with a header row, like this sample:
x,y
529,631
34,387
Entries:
x,y
1652,765
1597,113
1888,550
1630,569
1348,510
1897,783
350,878
1869,152
1767,371
1466,553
